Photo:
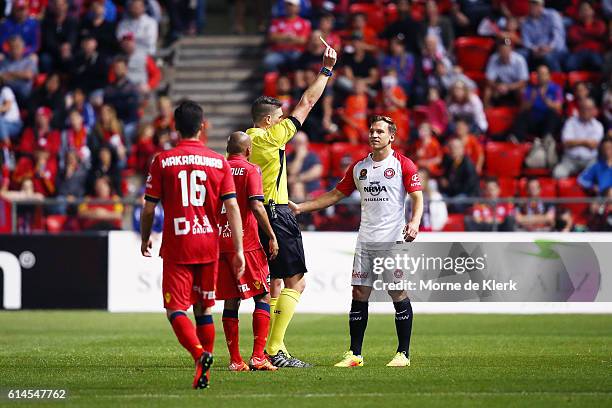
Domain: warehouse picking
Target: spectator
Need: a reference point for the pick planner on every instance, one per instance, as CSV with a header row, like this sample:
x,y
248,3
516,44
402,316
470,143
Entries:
x,y
288,36
75,138
78,102
564,221
310,59
304,169
535,215
465,104
471,145
607,108
20,24
406,26
507,74
580,137
96,24
158,217
41,136
435,213
142,69
164,121
428,152
90,68
101,216
358,65
326,27
19,70
359,28
124,97
543,36
401,62
491,215
105,165
598,176
586,38
446,75
108,131
143,27
392,100
541,107
432,56
435,111
319,122
599,217
355,114
439,27
144,149
581,93
41,168
51,96
468,14
284,93
71,182
59,34
25,193
459,178
10,119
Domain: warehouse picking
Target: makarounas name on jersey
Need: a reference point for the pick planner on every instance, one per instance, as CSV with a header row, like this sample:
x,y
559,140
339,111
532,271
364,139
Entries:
x,y
192,159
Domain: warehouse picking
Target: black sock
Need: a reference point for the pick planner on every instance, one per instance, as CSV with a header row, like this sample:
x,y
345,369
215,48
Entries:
x,y
403,325
358,321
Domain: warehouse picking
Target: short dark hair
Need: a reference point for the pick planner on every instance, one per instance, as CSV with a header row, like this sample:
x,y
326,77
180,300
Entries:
x,y
390,123
264,105
188,118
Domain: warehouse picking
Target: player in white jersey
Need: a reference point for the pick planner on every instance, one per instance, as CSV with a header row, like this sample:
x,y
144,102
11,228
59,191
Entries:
x,y
383,178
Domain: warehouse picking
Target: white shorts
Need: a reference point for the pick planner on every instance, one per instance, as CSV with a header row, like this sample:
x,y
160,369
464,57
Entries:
x,y
368,267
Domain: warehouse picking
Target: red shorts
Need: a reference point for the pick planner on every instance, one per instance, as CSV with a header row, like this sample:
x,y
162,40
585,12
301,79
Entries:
x,y
254,281
184,285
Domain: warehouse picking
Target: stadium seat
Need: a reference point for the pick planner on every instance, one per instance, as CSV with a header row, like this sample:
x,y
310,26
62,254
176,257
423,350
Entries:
x,y
537,172
472,53
391,13
500,119
574,77
569,187
374,13
344,154
479,77
504,159
322,150
547,184
559,78
507,186
455,222
270,83
55,223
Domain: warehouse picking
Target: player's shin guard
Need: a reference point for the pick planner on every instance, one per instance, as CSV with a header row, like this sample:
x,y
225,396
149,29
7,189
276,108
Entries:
x,y
358,321
186,333
403,325
261,323
285,307
230,328
206,332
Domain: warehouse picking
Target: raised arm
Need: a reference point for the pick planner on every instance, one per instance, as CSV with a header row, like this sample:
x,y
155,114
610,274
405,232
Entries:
x,y
315,90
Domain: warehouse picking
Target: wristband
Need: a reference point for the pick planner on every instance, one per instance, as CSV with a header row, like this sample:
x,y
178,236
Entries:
x,y
326,71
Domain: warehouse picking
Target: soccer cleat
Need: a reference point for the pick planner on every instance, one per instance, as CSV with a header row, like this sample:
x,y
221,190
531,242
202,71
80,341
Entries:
x,y
350,360
261,364
239,366
200,379
400,360
297,363
280,359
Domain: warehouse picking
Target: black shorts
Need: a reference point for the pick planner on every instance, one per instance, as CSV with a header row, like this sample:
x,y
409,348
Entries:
x,y
290,259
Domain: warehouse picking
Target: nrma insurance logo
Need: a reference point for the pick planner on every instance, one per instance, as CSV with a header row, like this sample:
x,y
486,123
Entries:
x,y
375,188
555,271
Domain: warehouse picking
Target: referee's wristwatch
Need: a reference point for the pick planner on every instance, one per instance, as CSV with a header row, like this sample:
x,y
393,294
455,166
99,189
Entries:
x,y
326,71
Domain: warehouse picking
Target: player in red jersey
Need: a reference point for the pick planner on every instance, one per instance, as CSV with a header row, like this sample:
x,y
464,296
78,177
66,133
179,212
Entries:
x,y
192,182
254,282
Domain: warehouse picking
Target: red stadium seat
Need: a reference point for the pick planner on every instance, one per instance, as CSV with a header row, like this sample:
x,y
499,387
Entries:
x,y
55,223
455,222
344,154
322,150
391,13
479,77
537,172
593,78
548,186
270,83
504,159
375,14
569,187
500,119
472,53
559,78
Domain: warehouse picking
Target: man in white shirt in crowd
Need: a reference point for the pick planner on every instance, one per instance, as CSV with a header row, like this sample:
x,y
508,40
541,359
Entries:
x,y
141,25
507,74
10,119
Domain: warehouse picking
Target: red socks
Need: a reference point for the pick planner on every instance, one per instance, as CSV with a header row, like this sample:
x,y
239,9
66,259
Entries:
x,y
186,333
230,327
205,330
261,324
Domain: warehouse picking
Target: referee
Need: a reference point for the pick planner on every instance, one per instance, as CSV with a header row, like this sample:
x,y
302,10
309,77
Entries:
x,y
269,134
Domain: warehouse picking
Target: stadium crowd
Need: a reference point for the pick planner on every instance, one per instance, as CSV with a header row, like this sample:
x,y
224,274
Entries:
x,y
492,98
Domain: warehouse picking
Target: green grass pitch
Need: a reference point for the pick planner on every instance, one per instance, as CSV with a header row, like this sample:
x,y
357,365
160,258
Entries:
x,y
133,360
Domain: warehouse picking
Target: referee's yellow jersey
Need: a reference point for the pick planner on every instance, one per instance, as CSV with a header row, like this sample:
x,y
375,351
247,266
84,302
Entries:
x,y
268,152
